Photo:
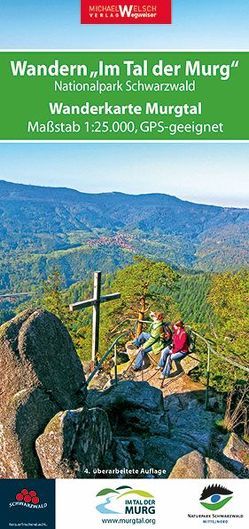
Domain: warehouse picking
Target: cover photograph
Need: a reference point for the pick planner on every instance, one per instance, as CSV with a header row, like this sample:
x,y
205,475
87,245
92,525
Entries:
x,y
124,264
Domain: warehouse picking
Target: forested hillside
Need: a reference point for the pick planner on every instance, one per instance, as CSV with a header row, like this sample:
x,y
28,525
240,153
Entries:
x,y
188,260
192,298
46,228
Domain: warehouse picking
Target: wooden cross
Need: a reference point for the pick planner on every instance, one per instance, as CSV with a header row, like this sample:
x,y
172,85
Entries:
x,y
95,303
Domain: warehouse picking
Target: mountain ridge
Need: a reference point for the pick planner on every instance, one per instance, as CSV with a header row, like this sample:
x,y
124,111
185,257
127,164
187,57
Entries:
x,y
39,224
80,194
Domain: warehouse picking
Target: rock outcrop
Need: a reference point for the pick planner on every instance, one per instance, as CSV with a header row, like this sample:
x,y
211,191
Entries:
x,y
195,466
127,395
52,426
216,471
74,443
137,430
133,408
143,422
194,426
41,374
237,453
162,453
189,466
167,431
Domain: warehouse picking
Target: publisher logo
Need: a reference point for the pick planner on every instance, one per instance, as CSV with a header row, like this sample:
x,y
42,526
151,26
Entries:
x,y
125,12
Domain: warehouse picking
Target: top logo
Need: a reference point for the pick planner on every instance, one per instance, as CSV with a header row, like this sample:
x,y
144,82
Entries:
x,y
126,12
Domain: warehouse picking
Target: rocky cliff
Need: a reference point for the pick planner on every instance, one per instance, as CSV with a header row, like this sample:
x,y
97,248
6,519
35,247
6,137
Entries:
x,y
52,426
40,376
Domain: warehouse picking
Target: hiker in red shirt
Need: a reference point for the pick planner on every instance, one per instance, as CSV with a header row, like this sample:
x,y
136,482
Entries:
x,y
178,351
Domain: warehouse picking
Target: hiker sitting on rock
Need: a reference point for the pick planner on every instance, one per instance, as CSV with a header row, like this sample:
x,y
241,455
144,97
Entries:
x,y
152,341
178,351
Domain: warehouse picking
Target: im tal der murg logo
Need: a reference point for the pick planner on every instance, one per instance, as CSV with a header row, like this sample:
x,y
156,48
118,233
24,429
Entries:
x,y
125,500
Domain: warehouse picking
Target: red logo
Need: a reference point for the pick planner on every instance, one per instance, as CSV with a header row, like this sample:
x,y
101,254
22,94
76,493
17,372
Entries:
x,y
126,12
28,496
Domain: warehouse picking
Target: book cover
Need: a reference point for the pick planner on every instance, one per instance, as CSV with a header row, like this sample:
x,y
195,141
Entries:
x,y
124,203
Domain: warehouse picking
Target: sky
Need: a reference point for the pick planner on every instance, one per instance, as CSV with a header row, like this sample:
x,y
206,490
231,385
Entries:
x,y
200,172
53,24
208,173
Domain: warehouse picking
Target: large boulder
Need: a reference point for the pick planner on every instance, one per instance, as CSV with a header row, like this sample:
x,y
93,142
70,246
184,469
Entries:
x,y
216,471
74,443
144,422
162,453
119,457
237,453
41,374
194,426
189,466
127,394
26,414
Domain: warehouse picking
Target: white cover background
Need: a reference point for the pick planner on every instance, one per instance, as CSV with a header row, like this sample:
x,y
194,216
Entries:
x,y
175,499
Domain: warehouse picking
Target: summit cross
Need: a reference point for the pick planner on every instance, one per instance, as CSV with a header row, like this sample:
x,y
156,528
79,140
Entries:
x,y
95,303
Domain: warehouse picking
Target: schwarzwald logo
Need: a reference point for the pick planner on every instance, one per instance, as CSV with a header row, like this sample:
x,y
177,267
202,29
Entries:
x,y
28,499
28,496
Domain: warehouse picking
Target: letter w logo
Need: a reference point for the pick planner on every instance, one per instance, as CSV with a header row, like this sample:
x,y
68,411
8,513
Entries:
x,y
125,10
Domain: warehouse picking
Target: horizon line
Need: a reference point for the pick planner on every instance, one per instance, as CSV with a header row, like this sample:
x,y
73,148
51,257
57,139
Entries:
x,y
192,201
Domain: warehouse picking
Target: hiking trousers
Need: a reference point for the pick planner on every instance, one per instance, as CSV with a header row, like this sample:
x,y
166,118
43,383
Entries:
x,y
167,357
142,338
139,362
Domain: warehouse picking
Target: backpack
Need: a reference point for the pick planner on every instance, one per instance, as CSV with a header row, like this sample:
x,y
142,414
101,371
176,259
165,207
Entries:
x,y
190,342
167,332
